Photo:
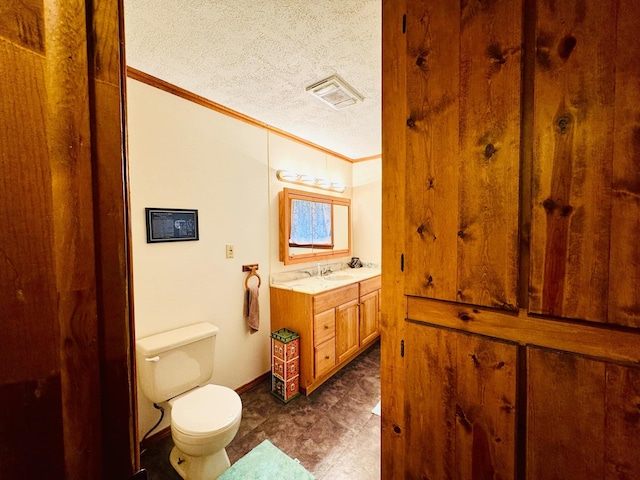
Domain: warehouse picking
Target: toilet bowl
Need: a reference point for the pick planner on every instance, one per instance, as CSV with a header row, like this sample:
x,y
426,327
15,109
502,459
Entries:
x,y
203,423
175,367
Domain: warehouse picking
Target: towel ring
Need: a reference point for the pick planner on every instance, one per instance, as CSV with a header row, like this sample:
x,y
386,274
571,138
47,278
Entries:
x,y
252,274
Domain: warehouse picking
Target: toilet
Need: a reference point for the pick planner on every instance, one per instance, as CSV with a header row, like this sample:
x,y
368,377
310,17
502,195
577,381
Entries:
x,y
175,367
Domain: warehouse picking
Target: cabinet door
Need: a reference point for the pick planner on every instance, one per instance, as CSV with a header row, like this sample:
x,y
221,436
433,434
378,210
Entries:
x,y
347,336
463,150
461,398
583,417
369,317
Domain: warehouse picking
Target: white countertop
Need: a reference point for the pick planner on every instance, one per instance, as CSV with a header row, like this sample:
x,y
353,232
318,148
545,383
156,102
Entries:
x,y
316,284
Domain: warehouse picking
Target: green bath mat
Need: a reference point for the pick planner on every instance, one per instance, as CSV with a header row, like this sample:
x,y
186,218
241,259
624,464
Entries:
x,y
266,462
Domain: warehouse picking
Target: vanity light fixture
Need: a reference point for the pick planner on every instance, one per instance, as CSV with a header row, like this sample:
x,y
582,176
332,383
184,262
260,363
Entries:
x,y
287,175
309,181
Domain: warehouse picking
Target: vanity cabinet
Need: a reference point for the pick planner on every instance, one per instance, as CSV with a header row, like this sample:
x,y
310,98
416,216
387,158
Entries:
x,y
335,326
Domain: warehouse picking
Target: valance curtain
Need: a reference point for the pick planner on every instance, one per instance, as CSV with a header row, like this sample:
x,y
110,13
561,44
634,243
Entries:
x,y
311,224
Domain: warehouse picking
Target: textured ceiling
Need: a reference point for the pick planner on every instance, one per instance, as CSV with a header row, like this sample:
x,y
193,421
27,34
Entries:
x,y
257,57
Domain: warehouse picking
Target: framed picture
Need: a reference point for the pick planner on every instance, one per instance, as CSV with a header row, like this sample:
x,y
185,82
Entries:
x,y
171,224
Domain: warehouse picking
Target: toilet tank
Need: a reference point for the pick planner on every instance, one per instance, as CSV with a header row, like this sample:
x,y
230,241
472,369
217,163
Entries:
x,y
173,362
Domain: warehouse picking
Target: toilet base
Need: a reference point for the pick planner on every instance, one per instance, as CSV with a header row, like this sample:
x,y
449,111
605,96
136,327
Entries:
x,y
208,467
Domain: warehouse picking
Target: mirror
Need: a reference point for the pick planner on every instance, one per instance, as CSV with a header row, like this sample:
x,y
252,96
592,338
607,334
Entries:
x,y
313,226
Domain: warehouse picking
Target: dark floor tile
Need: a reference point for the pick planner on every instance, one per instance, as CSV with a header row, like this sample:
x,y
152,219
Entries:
x,y
155,459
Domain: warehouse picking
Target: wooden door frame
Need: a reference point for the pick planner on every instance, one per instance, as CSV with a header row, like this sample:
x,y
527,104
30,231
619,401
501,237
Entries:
x,y
107,85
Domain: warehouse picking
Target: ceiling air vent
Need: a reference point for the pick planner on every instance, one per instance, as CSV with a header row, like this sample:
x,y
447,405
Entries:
x,y
335,92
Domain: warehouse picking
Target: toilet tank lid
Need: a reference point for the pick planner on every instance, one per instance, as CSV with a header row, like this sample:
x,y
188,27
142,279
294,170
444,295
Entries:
x,y
161,342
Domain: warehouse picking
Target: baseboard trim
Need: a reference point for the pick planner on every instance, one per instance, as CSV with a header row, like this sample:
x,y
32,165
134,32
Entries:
x,y
253,383
165,432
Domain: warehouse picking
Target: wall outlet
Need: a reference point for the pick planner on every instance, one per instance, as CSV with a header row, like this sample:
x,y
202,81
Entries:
x,y
229,250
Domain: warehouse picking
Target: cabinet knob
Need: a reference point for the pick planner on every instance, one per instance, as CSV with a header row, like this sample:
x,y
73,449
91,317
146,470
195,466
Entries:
x,y
326,327
327,357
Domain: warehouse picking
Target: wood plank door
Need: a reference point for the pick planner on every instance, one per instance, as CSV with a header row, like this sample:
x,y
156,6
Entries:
x,y
463,150
64,298
461,406
585,260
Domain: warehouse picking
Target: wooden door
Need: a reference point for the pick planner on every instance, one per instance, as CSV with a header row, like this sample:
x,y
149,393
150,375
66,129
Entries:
x,y
347,336
463,150
583,417
584,256
461,408
65,371
369,315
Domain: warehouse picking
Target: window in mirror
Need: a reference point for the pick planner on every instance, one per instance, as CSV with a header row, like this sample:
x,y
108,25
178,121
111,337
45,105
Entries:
x,y
313,226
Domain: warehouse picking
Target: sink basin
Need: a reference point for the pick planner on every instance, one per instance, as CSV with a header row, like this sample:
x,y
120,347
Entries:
x,y
338,278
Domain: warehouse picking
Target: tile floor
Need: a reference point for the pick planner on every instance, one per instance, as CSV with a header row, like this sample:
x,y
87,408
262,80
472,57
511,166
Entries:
x,y
332,432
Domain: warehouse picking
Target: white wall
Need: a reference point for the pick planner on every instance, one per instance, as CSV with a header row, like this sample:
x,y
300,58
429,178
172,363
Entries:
x,y
183,155
367,210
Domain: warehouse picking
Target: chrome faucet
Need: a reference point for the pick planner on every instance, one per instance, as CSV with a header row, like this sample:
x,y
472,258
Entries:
x,y
324,270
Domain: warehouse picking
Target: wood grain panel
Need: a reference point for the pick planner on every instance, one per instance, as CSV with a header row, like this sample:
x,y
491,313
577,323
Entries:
x,y
69,140
347,330
565,416
325,357
466,381
27,268
335,297
582,338
490,78
486,409
324,326
431,376
22,23
433,162
48,283
31,422
369,317
370,285
109,165
573,150
622,438
394,145
624,268
31,442
583,418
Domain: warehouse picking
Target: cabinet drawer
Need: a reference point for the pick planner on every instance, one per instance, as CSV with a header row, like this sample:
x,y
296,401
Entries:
x,y
325,301
370,285
325,356
324,326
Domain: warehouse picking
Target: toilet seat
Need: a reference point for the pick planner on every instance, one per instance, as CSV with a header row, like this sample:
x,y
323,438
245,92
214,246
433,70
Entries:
x,y
206,411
